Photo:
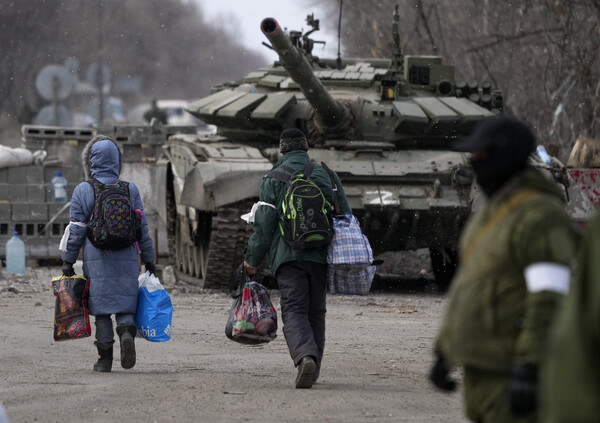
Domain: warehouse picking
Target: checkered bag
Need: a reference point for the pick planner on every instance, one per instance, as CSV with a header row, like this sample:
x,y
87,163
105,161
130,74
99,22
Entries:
x,y
350,258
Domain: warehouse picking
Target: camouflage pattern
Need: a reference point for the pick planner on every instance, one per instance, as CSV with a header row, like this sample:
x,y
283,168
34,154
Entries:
x,y
487,400
570,383
491,321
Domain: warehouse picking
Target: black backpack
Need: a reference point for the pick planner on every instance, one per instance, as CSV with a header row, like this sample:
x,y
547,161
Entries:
x,y
113,224
305,214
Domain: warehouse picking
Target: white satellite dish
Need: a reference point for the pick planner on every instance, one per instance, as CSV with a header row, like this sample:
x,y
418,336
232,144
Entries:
x,y
54,82
98,76
54,115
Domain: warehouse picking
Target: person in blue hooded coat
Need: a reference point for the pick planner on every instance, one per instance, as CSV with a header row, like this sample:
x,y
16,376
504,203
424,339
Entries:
x,y
113,274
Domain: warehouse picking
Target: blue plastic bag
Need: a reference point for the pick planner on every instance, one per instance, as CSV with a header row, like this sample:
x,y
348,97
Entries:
x,y
154,309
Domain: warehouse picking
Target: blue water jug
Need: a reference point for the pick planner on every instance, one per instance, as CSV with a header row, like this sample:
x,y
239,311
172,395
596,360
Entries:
x,y
15,255
59,188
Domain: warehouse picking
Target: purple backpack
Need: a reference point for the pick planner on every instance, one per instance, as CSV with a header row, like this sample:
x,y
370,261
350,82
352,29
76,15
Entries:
x,y
113,223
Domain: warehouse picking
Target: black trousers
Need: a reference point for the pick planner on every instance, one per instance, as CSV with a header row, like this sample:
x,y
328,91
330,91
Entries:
x,y
303,287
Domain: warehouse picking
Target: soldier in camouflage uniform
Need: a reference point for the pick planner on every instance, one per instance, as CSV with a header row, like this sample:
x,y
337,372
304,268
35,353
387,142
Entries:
x,y
570,383
514,270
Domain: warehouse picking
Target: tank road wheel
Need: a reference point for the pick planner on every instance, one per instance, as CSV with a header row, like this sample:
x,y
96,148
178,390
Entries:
x,y
181,246
443,263
191,248
205,257
227,245
199,251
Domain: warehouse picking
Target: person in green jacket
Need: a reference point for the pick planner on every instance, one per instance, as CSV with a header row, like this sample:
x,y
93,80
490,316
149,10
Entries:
x,y
515,255
570,378
301,275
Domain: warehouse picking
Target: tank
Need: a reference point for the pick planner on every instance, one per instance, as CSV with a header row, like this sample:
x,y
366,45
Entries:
x,y
386,126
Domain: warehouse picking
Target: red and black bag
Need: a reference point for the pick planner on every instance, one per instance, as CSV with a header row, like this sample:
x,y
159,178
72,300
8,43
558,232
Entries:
x,y
71,316
252,318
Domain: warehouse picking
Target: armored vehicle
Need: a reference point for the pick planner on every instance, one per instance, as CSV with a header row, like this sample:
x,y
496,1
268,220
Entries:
x,y
386,126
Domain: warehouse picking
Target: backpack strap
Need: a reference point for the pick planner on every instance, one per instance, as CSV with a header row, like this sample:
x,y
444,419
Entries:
x,y
96,186
280,176
308,168
94,183
334,187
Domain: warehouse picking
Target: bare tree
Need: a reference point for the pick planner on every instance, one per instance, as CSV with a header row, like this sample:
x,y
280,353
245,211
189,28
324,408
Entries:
x,y
543,54
166,43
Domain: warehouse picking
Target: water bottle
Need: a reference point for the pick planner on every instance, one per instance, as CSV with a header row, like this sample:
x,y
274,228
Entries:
x,y
15,255
543,154
59,188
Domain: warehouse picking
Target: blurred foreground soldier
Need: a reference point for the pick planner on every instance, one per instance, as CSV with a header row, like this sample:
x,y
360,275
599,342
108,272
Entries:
x,y
155,112
301,275
570,382
514,269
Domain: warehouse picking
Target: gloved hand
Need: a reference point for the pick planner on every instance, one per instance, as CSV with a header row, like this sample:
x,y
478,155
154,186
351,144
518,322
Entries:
x,y
67,269
439,375
249,269
150,267
523,388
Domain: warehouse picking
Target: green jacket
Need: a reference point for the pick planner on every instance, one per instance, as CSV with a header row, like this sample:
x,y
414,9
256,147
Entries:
x,y
570,382
267,238
491,321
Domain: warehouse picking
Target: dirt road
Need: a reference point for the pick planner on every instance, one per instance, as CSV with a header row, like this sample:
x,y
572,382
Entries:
x,y
377,354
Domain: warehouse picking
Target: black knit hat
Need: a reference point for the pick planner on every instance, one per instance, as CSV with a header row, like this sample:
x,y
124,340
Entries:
x,y
500,132
292,139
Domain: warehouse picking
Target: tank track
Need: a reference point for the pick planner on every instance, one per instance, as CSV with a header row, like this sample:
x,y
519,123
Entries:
x,y
227,245
228,239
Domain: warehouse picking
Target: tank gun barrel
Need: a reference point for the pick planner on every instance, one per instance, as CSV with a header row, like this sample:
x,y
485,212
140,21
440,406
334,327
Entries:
x,y
329,112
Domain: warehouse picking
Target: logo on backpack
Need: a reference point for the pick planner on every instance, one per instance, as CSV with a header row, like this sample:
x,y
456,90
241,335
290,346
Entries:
x,y
113,223
305,221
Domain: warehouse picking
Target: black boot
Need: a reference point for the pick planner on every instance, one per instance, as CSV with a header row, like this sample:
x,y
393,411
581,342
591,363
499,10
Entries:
x,y
105,351
127,337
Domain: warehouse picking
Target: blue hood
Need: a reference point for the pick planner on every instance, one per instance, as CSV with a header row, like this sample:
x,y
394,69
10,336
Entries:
x,y
102,158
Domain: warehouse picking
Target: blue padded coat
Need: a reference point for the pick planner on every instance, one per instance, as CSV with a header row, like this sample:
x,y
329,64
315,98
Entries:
x,y
113,274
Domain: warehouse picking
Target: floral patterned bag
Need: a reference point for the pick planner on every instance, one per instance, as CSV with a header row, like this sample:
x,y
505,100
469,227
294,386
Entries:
x,y
252,318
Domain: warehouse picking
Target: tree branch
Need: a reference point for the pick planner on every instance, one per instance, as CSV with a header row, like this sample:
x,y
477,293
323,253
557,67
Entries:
x,y
508,39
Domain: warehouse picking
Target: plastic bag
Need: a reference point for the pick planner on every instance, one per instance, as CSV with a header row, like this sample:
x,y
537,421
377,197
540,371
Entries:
x,y
71,316
349,245
350,278
154,309
350,258
252,317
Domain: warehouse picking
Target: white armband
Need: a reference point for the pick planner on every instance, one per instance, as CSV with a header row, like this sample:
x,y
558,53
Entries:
x,y
63,241
249,217
548,277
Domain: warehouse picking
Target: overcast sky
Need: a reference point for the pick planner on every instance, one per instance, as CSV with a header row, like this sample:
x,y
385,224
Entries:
x,y
248,14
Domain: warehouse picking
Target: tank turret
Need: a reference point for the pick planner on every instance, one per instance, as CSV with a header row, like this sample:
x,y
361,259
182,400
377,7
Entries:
x,y
329,112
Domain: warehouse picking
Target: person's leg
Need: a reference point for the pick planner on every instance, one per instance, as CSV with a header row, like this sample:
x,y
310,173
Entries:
x,y
317,309
104,329
294,288
125,319
104,343
126,330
